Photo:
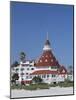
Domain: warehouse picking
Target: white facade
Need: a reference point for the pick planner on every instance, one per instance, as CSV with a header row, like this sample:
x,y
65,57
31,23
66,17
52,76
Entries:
x,y
24,71
70,77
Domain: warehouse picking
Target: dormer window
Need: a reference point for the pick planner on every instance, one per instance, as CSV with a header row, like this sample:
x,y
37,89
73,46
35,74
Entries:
x,y
63,71
46,55
45,60
40,60
42,56
51,60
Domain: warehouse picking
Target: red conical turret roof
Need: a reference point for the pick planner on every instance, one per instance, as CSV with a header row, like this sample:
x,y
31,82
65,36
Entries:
x,y
47,58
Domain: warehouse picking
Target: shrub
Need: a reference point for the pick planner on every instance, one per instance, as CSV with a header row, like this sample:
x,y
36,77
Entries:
x,y
37,79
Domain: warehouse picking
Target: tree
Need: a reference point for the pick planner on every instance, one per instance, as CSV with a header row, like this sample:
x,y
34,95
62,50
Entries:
x,y
37,79
22,56
22,82
15,64
15,77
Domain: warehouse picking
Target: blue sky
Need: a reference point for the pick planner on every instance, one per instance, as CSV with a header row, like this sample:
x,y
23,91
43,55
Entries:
x,y
30,24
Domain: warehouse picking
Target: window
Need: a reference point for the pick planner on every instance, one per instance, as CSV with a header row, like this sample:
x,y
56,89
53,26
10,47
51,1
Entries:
x,y
32,68
26,73
43,76
22,69
30,65
22,79
45,60
53,67
22,74
53,75
51,60
46,55
47,76
40,60
27,68
30,76
39,76
26,77
17,69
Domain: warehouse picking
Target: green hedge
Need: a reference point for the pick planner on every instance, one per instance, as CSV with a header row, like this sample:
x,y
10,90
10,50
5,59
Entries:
x,y
31,86
42,86
65,84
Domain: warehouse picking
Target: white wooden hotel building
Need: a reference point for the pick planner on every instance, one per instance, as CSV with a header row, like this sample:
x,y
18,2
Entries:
x,y
46,66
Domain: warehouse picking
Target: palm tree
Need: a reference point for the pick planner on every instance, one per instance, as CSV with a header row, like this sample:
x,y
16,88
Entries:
x,y
22,56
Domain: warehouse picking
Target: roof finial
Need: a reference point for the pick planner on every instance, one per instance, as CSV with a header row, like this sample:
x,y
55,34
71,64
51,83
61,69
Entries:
x,y
47,35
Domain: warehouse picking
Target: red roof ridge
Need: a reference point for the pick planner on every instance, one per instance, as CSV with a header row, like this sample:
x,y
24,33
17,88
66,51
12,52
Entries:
x,y
44,72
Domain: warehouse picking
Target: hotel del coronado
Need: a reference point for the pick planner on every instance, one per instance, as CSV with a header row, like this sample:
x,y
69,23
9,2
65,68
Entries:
x,y
46,66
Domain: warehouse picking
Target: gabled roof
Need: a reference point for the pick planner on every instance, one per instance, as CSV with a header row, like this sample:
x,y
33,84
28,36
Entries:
x,y
62,70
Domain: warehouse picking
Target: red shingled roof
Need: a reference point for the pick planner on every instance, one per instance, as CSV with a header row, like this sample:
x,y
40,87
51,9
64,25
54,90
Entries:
x,y
47,59
44,72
